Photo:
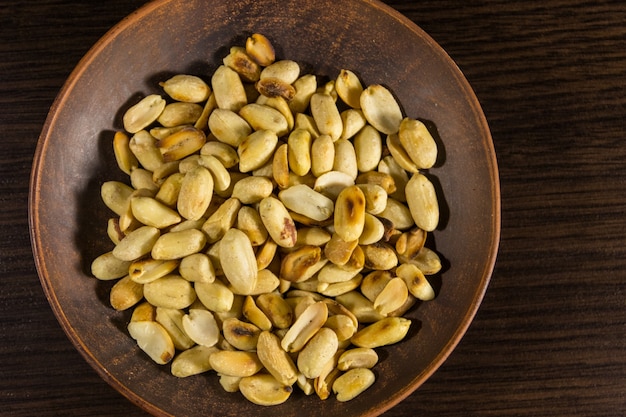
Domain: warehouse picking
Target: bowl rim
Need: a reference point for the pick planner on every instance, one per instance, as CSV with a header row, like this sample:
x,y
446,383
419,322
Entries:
x,y
38,248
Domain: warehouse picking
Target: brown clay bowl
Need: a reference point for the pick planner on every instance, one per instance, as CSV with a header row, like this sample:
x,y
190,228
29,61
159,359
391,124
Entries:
x,y
74,156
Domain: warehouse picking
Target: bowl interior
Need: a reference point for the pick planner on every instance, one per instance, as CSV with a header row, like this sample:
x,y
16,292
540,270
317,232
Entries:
x,y
74,156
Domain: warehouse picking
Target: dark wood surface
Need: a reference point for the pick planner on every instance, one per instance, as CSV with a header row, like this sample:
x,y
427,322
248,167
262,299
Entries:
x,y
550,336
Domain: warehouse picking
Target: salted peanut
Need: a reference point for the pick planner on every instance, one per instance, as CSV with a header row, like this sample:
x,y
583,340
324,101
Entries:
x,y
235,363
197,268
427,261
161,132
146,270
221,177
326,115
144,146
266,282
332,273
349,217
181,144
189,163
282,105
315,236
299,304
342,325
280,166
170,291
422,201
275,87
380,256
398,213
221,220
278,222
302,199
322,155
193,361
306,122
201,327
249,221
353,383
152,338
151,212
264,389
386,331
381,109
299,151
177,245
349,88
374,282
262,117
188,224
276,360
324,381
164,171
127,220
353,121
226,154
260,49
141,179
357,358
410,243
306,385
238,261
368,148
276,309
388,165
137,243
187,88
305,87
317,352
172,321
179,113
357,259
305,327
115,195
329,89
345,158
392,297
299,265
125,294
360,307
228,89
196,191
107,267
252,189
337,288
144,311
215,296
285,70
254,314
265,254
229,383
338,251
208,108
144,113
239,61
228,127
373,230
114,232
381,179
418,143
416,282
124,157
242,335
169,190
256,150
399,153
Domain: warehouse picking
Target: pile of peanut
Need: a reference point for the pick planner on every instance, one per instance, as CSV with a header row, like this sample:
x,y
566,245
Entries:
x,y
274,227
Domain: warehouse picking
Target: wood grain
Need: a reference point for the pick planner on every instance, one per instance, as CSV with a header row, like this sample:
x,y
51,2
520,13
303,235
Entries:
x,y
549,338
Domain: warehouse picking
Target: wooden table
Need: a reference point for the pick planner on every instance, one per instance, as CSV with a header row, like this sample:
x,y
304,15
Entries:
x,y
550,336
